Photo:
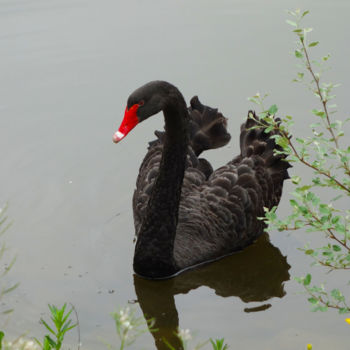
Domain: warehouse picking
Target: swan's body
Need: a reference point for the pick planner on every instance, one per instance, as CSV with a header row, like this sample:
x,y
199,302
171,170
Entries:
x,y
185,213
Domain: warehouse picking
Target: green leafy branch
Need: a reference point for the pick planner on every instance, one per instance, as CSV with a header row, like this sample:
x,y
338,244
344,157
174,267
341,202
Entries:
x,y
320,299
323,154
321,91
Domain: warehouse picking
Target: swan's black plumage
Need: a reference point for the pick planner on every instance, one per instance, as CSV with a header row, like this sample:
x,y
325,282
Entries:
x,y
185,213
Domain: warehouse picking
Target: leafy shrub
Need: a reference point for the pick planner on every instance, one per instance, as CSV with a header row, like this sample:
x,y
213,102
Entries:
x,y
323,153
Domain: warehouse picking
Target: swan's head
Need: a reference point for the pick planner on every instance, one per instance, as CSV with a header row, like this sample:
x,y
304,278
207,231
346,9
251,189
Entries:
x,y
144,102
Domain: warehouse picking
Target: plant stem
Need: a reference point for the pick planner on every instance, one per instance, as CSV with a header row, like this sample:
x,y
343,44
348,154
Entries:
x,y
332,267
323,101
329,230
319,171
326,303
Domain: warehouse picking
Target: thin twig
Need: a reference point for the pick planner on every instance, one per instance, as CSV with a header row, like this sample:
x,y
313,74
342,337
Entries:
x,y
329,230
332,267
326,303
78,324
323,101
321,172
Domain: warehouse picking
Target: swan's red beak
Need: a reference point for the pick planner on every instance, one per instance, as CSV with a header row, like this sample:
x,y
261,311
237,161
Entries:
x,y
129,122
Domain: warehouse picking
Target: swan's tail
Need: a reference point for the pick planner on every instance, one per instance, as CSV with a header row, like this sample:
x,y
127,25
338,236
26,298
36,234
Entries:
x,y
208,129
256,143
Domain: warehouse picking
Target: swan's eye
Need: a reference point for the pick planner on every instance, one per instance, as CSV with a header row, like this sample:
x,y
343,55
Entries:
x,y
141,103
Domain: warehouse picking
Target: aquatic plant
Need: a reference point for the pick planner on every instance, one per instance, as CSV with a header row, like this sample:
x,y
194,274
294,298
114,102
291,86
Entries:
x,y
185,337
323,153
18,344
62,325
129,327
5,266
219,344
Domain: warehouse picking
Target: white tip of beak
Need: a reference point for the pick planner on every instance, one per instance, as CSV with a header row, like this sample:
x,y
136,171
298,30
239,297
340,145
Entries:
x,y
118,136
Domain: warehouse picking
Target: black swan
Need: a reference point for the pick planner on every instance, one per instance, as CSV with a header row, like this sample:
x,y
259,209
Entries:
x,y
185,213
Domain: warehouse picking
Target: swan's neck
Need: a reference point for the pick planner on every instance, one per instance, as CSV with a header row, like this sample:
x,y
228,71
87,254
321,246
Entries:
x,y
154,251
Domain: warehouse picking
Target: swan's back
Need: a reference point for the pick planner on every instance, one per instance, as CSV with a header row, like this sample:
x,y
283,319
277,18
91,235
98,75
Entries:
x,y
221,214
218,209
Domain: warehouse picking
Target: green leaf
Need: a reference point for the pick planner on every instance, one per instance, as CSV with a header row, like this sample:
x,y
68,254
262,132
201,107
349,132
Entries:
x,y
296,179
309,251
168,344
340,228
304,188
324,209
292,23
273,110
294,203
313,300
305,13
38,342
337,295
319,113
252,99
67,315
71,327
49,343
2,334
315,43
218,344
10,289
320,308
307,280
336,248
298,54
47,327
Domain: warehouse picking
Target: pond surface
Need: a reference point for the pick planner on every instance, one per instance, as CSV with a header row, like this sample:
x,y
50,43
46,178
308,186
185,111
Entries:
x,y
66,70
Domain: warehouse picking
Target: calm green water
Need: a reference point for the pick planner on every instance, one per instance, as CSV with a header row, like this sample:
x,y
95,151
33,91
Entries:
x,y
66,70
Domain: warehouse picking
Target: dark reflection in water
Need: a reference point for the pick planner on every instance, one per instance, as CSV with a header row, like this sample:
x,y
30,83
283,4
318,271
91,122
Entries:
x,y
254,275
